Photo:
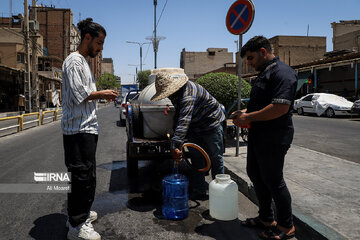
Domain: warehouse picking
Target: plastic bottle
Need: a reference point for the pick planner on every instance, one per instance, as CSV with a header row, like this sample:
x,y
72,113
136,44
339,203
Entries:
x,y
223,198
175,197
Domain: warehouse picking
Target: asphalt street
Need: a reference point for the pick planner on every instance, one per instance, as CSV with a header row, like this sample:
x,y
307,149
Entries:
x,y
337,137
127,209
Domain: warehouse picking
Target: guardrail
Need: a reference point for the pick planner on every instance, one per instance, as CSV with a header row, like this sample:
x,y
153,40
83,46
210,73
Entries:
x,y
38,120
19,125
31,121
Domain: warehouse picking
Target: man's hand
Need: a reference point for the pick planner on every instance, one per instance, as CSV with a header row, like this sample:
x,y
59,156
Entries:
x,y
108,94
176,154
240,118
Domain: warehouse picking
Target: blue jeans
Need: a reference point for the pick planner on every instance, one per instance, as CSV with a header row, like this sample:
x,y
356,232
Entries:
x,y
212,143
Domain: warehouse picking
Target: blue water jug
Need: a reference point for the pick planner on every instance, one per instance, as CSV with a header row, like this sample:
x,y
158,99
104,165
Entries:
x,y
175,197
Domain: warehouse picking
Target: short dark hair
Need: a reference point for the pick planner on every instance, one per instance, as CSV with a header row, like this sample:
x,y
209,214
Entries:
x,y
254,45
88,26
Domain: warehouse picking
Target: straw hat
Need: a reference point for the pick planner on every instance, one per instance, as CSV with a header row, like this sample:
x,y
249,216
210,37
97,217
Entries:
x,y
166,84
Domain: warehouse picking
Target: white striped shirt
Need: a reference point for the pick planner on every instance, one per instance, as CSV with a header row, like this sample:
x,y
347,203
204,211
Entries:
x,y
79,116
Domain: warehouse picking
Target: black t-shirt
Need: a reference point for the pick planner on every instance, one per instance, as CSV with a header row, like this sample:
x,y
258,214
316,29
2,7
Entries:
x,y
275,84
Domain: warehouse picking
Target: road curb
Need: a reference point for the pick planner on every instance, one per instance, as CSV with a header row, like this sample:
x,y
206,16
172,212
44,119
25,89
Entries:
x,y
306,227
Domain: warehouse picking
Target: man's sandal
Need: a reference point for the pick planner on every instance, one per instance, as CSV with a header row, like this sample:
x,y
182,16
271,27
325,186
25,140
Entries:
x,y
255,223
275,233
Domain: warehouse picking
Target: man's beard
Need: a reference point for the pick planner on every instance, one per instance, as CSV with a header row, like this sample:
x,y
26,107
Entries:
x,y
91,51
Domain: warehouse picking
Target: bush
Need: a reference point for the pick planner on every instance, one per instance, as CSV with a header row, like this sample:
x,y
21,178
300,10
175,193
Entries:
x,y
224,87
143,78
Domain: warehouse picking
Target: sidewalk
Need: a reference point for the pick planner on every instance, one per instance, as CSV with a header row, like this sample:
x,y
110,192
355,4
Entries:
x,y
325,191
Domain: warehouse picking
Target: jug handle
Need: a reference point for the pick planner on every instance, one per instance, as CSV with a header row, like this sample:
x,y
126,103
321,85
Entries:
x,y
202,151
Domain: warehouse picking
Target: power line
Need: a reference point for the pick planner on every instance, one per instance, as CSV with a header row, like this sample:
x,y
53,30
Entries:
x,y
146,52
161,13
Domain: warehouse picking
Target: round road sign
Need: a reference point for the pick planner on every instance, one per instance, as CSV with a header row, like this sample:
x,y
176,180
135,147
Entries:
x,y
240,16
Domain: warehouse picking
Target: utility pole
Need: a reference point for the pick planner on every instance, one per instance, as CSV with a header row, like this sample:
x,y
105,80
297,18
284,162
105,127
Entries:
x,y
27,83
34,61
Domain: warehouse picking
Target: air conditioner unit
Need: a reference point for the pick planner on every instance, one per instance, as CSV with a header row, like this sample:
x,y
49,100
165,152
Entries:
x,y
33,26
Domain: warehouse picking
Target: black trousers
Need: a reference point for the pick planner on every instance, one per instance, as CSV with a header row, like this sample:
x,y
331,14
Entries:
x,y
80,150
265,162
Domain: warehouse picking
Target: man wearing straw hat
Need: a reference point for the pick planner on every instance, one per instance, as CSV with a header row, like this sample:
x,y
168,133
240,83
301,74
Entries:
x,y
198,117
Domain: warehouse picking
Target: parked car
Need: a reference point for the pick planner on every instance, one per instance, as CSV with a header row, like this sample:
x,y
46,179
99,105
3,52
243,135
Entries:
x,y
130,96
323,104
356,107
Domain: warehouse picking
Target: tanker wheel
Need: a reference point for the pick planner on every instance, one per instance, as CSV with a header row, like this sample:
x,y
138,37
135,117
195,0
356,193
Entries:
x,y
131,163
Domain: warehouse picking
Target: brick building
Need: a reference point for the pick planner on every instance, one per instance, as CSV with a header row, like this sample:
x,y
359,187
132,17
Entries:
x,y
293,50
56,25
196,64
346,35
61,37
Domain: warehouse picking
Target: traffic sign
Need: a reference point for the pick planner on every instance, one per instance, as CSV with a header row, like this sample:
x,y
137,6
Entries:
x,y
240,16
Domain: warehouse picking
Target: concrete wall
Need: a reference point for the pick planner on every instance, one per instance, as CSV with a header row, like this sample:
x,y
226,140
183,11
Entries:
x,y
348,41
198,63
346,35
12,43
294,50
107,66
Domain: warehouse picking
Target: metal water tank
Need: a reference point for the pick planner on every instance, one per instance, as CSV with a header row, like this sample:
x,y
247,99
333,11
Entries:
x,y
158,117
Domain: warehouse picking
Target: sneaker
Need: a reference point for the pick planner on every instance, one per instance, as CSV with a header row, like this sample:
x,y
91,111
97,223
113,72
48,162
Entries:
x,y
92,217
84,231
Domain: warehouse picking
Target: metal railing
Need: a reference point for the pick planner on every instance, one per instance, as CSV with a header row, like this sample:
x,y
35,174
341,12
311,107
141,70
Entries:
x,y
30,121
19,125
40,121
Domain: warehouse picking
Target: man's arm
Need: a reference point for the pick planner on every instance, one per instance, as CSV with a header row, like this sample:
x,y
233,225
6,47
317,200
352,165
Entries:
x,y
103,94
271,111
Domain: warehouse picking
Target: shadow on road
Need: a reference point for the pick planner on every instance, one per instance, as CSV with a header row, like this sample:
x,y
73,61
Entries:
x,y
230,230
48,227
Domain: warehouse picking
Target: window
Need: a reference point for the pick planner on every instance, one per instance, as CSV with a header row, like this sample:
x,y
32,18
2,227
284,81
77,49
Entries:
x,y
20,57
308,98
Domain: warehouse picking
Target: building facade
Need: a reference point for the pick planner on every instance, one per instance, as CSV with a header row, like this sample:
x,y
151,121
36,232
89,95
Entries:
x,y
346,35
196,64
12,48
107,66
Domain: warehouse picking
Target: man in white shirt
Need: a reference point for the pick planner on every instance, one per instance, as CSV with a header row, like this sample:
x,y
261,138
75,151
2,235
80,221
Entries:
x,y
80,129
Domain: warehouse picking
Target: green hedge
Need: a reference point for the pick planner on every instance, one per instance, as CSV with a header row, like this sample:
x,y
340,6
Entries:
x,y
224,87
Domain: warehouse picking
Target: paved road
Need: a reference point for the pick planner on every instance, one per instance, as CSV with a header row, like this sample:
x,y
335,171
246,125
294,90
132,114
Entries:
x,y
127,209
338,137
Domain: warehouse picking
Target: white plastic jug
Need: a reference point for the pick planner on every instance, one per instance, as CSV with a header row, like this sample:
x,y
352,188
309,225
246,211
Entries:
x,y
223,198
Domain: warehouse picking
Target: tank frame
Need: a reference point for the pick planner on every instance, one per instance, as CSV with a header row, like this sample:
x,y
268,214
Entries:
x,y
139,148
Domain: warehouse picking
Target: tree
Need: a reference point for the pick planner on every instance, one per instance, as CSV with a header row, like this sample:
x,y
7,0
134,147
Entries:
x,y
143,78
107,81
224,87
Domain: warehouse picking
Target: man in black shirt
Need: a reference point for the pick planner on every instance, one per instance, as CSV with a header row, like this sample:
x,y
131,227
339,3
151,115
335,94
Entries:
x,y
269,112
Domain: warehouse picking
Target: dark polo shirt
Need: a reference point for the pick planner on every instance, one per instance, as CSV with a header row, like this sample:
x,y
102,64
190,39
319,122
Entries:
x,y
276,83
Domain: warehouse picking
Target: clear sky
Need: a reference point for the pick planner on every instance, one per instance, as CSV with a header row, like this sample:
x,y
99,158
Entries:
x,y
194,25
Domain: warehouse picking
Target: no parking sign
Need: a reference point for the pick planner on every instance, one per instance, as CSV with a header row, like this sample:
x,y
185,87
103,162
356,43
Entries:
x,y
240,16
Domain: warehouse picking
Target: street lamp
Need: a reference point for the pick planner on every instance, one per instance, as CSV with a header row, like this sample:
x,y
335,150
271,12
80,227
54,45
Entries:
x,y
140,45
